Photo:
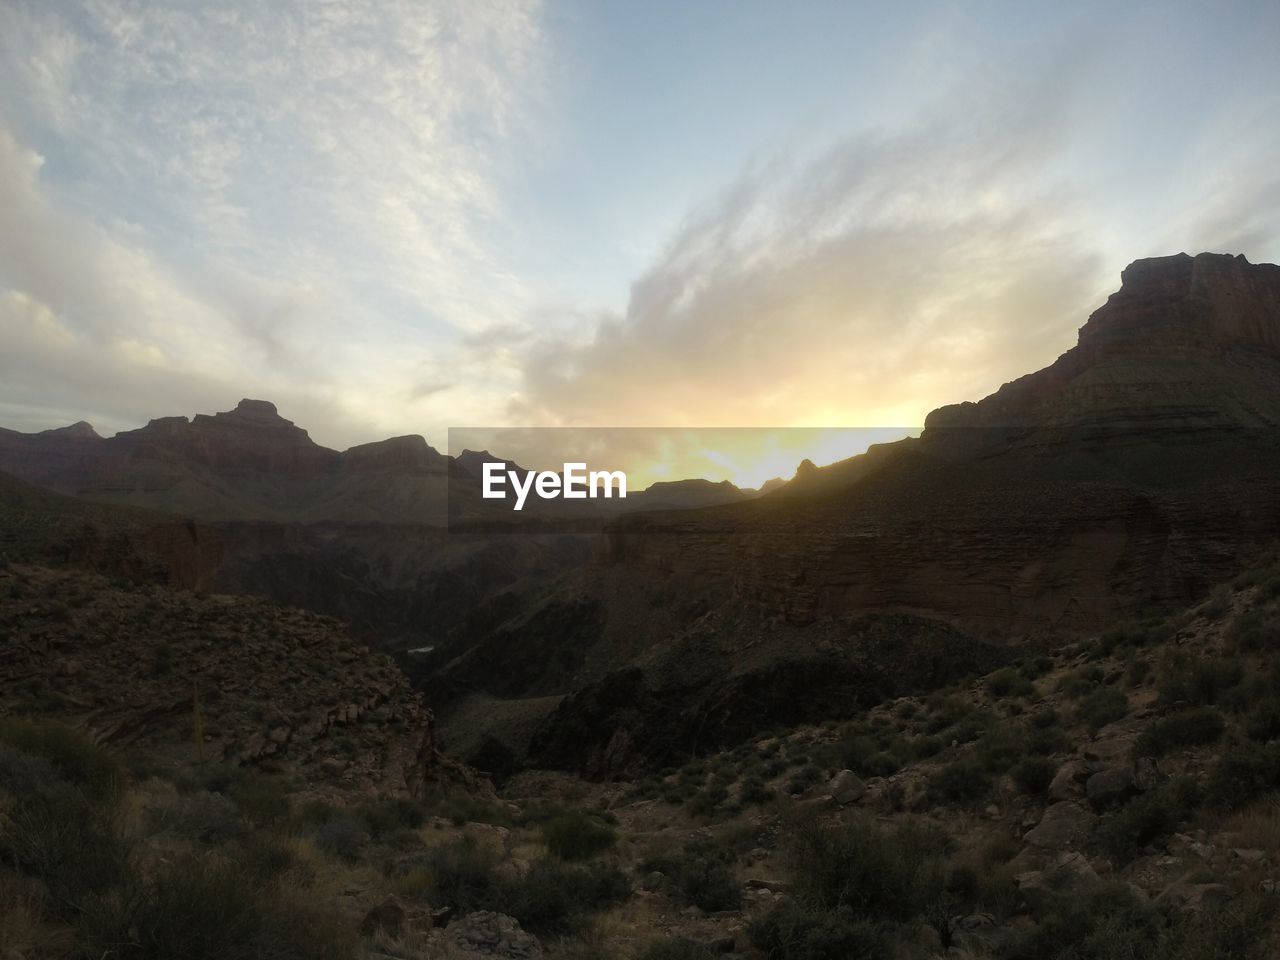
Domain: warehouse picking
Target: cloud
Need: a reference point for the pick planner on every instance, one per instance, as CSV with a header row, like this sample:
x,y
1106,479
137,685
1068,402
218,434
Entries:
x,y
298,198
896,271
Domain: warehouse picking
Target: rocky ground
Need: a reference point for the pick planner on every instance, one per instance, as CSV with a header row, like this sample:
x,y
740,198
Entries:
x,y
1115,797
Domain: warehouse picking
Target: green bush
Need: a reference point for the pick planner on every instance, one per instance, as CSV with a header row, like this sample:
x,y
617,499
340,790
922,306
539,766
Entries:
x,y
385,817
1102,921
1255,629
1080,681
1185,728
555,898
551,898
875,872
675,948
1147,818
1218,604
1263,722
575,835
1034,774
462,875
343,836
754,792
262,799
1104,705
1008,682
1198,680
74,756
794,931
1242,929
65,838
964,782
1001,747
1243,774
707,801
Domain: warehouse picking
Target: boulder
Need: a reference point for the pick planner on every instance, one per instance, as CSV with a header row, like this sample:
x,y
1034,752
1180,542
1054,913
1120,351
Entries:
x,y
1109,787
1068,782
847,787
489,934
1063,825
1040,888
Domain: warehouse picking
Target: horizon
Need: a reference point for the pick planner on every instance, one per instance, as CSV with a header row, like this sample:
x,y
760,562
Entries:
x,y
391,219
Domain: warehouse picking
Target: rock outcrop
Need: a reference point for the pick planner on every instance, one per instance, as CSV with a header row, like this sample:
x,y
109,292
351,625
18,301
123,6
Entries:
x,y
214,679
1137,470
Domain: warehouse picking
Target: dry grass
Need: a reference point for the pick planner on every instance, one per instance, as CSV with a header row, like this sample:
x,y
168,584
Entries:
x,y
1256,827
21,926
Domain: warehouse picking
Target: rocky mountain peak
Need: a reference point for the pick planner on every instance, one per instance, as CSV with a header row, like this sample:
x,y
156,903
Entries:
x,y
1186,343
412,452
256,410
80,430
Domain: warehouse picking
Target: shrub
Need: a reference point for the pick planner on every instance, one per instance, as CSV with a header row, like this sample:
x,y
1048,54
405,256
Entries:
x,y
386,817
1218,604
554,898
1008,682
73,756
1198,681
754,792
921,748
709,885
343,836
222,910
964,781
575,835
1080,681
1033,668
947,712
705,802
61,835
1147,818
793,931
1255,629
1034,774
1000,747
675,948
461,875
1185,728
803,779
209,818
1102,921
874,872
1243,774
1104,705
1242,930
262,799
1263,722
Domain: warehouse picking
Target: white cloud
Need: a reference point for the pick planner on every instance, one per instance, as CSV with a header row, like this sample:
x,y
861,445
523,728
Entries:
x,y
298,195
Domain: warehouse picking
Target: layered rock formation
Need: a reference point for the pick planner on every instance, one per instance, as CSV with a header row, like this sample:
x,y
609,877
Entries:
x,y
1131,475
1137,470
213,679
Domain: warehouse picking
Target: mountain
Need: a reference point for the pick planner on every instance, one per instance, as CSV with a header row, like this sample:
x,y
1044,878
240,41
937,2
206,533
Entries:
x,y
1137,469
392,536
251,464
1131,475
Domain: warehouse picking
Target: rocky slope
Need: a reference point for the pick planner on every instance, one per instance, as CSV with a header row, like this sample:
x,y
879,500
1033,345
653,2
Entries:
x,y
217,679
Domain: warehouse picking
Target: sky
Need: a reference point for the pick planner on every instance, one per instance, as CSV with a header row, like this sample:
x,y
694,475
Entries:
x,y
401,216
